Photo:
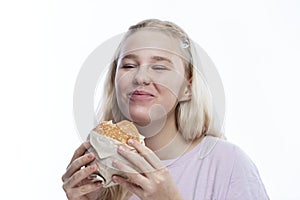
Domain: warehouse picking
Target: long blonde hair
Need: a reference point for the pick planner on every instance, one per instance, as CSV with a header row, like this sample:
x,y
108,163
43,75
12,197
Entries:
x,y
193,118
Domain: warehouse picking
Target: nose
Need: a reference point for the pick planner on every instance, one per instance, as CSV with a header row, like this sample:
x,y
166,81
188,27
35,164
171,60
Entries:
x,y
142,76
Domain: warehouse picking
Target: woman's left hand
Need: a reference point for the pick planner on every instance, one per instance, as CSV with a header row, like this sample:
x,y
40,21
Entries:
x,y
152,180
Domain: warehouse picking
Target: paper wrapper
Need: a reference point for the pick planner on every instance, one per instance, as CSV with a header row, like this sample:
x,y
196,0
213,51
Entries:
x,y
105,150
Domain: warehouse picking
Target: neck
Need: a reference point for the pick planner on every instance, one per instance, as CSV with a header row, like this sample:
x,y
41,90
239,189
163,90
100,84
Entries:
x,y
168,142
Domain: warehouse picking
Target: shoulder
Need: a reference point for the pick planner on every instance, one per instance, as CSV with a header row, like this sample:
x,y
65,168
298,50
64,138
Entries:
x,y
226,153
216,147
244,179
227,156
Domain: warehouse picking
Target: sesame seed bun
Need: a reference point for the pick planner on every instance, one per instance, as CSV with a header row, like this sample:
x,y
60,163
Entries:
x,y
121,131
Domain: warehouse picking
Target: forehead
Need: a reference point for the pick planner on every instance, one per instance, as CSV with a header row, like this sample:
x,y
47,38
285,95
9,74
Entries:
x,y
151,54
150,39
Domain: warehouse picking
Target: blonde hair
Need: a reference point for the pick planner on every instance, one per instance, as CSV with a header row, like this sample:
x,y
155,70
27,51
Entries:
x,y
193,118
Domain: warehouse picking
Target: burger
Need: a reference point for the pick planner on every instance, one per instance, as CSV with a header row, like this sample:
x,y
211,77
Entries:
x,y
105,139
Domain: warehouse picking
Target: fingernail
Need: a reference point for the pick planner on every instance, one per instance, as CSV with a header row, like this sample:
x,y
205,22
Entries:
x,y
90,155
98,184
115,179
93,167
121,148
130,141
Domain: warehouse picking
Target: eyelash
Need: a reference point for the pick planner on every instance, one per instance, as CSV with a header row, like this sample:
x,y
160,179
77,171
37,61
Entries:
x,y
159,67
128,66
154,67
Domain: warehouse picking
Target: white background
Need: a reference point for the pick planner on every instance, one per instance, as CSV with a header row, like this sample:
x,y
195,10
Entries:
x,y
254,45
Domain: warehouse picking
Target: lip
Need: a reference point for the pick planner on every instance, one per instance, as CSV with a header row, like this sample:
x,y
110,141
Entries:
x,y
140,95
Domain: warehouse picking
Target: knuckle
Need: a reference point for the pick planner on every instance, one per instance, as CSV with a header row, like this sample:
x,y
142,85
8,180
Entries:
x,y
164,170
132,178
63,178
81,174
76,177
69,194
78,163
149,194
132,156
65,187
75,164
135,176
158,181
81,161
83,189
77,152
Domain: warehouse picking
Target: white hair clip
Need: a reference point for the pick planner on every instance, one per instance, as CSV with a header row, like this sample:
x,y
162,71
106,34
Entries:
x,y
185,43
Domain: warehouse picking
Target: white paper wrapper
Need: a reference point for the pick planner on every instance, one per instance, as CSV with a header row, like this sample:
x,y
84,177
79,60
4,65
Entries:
x,y
105,150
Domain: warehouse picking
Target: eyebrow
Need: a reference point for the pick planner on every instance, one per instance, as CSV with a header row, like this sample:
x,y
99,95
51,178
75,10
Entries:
x,y
154,58
130,56
160,58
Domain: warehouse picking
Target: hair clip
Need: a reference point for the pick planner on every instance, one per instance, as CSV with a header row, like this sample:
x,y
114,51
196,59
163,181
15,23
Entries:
x,y
185,43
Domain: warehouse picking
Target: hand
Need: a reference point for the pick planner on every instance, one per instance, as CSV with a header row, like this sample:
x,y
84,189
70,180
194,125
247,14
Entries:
x,y
152,180
75,182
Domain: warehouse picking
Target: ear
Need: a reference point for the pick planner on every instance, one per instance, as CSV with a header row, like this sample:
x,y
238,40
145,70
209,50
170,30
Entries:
x,y
186,94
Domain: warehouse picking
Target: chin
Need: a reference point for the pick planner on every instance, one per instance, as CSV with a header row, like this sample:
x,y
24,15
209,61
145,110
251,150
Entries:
x,y
140,120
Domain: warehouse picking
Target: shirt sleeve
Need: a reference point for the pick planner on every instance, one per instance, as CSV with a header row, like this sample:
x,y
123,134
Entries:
x,y
245,182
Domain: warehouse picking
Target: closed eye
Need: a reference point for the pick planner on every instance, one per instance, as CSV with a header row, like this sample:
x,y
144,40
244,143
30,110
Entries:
x,y
160,67
128,66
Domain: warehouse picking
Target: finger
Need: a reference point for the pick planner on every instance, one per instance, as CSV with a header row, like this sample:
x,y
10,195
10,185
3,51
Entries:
x,y
80,151
136,159
80,175
132,175
83,190
135,189
147,153
77,164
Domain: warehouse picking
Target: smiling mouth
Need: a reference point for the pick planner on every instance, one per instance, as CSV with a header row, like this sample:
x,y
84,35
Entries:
x,y
140,95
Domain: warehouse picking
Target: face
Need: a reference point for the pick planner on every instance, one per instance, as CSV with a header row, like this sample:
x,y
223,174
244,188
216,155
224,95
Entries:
x,y
150,79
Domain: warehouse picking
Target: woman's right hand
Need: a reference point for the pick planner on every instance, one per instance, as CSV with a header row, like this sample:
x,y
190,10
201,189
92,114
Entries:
x,y
76,184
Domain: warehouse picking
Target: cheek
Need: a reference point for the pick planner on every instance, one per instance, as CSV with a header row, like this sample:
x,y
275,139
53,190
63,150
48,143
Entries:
x,y
168,99
122,82
173,84
122,88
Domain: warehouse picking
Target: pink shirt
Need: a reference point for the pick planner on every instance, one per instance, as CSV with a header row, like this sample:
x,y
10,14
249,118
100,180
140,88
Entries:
x,y
216,170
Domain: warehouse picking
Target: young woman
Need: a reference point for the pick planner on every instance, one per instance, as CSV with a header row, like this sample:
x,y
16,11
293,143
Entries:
x,y
154,82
